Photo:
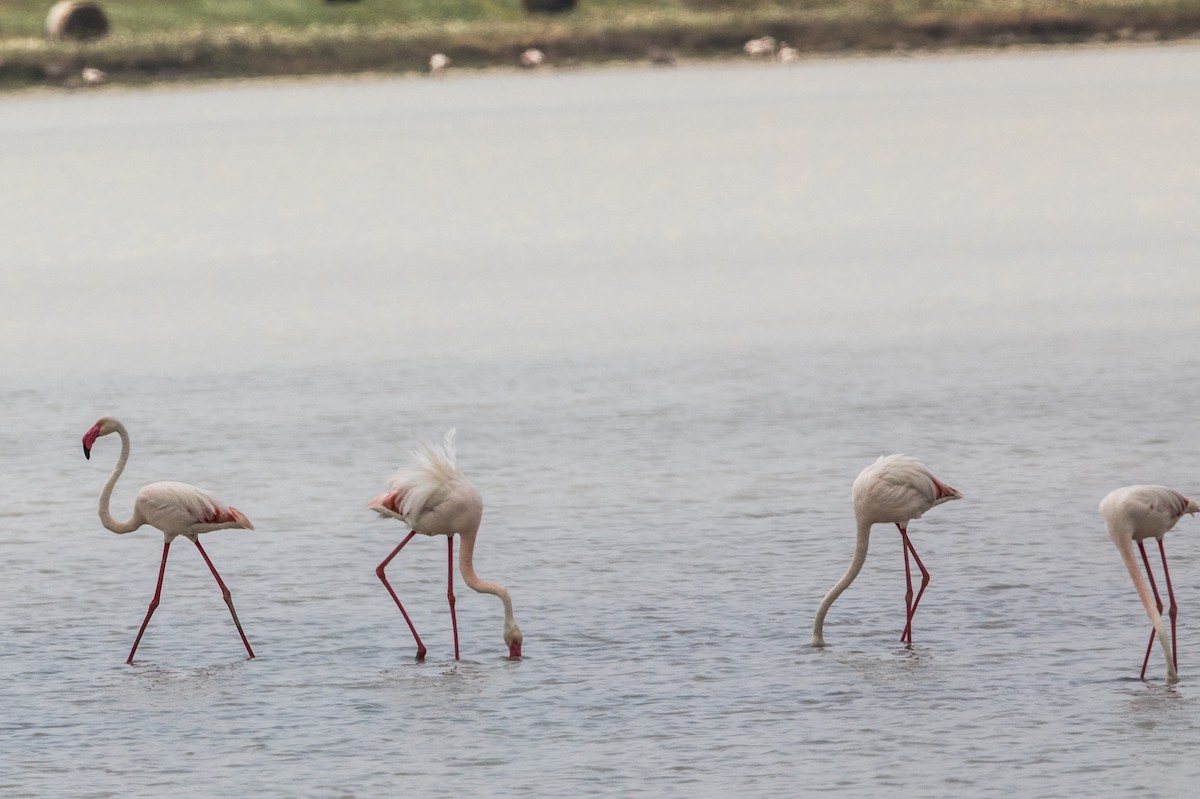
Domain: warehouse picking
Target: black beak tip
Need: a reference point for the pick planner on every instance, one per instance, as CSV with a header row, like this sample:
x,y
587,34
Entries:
x,y
87,453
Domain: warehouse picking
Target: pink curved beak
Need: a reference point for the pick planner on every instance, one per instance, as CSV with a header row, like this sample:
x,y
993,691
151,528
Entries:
x,y
514,651
89,438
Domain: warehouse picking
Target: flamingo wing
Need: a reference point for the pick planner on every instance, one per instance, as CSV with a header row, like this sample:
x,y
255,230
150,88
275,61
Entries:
x,y
179,508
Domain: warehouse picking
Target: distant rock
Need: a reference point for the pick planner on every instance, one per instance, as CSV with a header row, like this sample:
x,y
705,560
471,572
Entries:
x,y
76,20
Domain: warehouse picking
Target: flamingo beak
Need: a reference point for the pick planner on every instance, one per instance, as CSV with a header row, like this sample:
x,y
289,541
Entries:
x,y
514,651
89,438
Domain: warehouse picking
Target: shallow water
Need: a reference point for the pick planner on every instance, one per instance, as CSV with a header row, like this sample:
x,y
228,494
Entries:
x,y
672,315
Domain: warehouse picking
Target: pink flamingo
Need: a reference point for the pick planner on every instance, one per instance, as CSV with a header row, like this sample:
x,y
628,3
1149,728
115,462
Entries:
x,y
177,509
433,497
895,489
1135,513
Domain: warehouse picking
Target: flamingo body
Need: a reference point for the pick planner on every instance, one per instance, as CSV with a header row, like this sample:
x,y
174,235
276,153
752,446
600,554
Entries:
x,y
433,497
181,509
1133,514
894,489
898,489
175,509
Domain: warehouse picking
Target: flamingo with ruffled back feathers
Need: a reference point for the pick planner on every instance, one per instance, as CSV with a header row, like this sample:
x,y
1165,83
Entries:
x,y
1135,513
433,498
176,509
894,489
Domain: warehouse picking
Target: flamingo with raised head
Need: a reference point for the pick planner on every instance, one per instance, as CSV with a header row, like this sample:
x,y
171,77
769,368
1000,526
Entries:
x,y
894,489
177,509
1135,513
433,498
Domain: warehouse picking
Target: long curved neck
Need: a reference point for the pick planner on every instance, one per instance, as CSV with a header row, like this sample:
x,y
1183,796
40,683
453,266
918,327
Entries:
x,y
860,557
1125,545
466,566
132,523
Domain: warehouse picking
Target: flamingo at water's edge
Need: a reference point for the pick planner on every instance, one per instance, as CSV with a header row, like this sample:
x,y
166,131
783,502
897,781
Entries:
x,y
1135,513
433,498
177,509
894,489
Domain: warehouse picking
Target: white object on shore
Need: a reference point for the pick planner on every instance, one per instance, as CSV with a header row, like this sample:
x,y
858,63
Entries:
x,y
438,62
532,57
787,54
764,46
93,77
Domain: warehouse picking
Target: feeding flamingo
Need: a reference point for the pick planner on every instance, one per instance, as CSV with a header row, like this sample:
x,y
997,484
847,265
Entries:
x,y
895,489
433,497
177,509
1135,513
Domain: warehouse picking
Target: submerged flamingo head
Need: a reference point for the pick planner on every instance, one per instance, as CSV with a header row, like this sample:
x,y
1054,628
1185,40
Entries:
x,y
103,426
512,637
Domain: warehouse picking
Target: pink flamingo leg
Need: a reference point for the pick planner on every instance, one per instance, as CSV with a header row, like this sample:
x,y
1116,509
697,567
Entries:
x,y
227,596
162,569
379,572
450,593
920,592
1158,602
906,633
1173,610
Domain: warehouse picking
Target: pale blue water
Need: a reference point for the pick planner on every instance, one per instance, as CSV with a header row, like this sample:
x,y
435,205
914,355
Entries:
x,y
672,314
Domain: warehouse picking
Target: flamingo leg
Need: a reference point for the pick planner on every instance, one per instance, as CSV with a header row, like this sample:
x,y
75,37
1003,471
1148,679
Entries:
x,y
162,570
450,592
906,633
920,592
379,572
1173,609
226,595
1158,602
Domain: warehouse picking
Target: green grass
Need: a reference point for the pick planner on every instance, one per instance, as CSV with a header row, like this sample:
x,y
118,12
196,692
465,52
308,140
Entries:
x,y
157,39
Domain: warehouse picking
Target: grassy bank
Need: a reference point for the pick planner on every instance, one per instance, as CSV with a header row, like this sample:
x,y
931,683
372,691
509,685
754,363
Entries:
x,y
194,39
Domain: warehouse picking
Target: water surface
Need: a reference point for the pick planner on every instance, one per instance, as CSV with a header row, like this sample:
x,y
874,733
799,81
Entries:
x,y
672,314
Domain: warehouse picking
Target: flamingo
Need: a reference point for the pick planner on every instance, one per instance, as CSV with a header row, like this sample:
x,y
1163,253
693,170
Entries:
x,y
433,498
896,489
177,509
1135,513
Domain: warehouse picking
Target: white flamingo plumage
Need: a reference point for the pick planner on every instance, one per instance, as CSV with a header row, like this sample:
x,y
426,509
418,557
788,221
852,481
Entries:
x,y
433,498
176,509
894,489
1135,513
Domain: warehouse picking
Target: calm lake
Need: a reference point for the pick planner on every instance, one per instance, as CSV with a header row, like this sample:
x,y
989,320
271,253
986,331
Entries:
x,y
672,315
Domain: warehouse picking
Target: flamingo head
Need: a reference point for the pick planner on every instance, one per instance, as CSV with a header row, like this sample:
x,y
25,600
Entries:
x,y
386,504
512,637
102,427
